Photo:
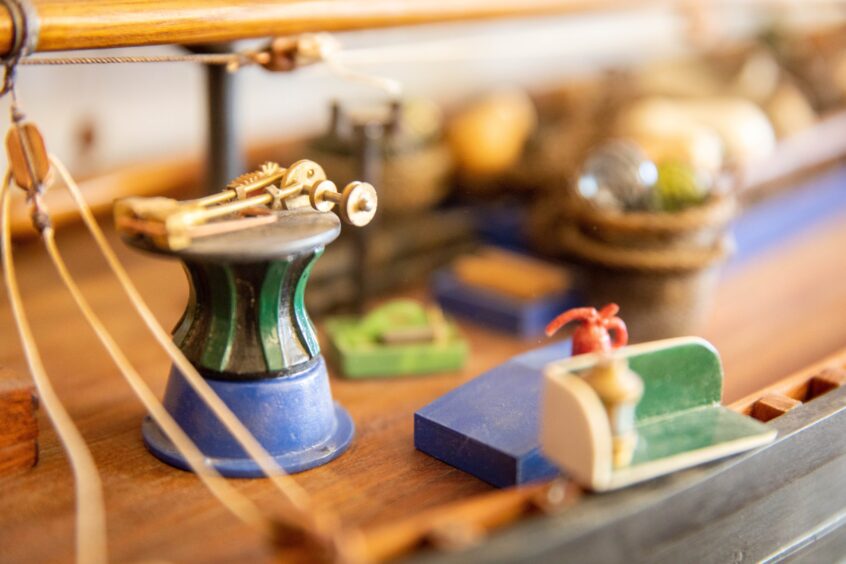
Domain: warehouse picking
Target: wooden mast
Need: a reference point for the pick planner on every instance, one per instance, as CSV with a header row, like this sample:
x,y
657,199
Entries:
x,y
123,23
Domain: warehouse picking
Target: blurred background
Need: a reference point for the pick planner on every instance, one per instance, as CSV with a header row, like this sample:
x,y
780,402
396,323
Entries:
x,y
633,155
116,115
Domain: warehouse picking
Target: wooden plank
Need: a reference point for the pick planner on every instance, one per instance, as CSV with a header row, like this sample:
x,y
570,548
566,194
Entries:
x,y
805,384
759,323
464,523
18,457
123,23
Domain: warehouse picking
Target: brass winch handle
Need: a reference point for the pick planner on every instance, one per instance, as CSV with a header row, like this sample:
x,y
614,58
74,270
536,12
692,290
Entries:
x,y
172,224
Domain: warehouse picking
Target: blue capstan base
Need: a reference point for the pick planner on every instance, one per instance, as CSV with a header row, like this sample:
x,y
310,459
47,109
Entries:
x,y
293,417
511,315
489,426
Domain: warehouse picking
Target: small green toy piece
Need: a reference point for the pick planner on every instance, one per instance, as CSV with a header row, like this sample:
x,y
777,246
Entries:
x,y
679,186
399,338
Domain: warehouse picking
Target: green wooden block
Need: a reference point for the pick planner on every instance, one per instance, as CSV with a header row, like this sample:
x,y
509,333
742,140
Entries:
x,y
358,349
695,431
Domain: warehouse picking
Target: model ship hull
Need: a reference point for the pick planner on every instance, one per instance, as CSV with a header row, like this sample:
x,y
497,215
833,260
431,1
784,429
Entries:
x,y
766,504
783,500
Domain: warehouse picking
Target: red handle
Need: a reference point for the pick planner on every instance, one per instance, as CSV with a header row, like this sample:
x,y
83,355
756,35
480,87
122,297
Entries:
x,y
578,313
621,332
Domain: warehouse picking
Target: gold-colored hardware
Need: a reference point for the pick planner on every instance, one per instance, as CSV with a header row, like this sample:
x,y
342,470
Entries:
x,y
172,224
357,202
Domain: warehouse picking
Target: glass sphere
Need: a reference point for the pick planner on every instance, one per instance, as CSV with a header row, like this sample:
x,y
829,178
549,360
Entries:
x,y
618,176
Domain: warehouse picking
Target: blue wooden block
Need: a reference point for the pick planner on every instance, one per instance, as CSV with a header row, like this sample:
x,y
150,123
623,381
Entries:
x,y
484,307
489,426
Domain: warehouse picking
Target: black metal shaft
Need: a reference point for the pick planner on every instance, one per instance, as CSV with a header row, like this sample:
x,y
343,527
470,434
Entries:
x,y
224,151
225,158
368,137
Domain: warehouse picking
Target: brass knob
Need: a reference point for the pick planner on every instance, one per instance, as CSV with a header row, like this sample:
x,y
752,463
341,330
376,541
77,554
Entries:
x,y
358,201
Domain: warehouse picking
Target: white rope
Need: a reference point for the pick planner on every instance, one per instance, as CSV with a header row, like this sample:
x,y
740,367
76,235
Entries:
x,y
90,509
324,47
300,514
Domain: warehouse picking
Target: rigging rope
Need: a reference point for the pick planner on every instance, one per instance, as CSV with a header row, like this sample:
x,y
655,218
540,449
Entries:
x,y
302,50
226,59
292,491
231,498
91,543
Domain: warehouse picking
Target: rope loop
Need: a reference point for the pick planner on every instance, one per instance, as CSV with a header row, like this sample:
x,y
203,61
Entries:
x,y
25,29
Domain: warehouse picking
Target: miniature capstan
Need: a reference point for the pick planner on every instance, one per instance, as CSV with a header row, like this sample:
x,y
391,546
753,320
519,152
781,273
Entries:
x,y
248,251
594,331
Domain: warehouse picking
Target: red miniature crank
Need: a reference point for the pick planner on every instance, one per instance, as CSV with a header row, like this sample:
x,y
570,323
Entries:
x,y
593,334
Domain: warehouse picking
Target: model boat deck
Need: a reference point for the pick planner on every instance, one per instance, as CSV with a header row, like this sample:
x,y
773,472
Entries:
x,y
382,478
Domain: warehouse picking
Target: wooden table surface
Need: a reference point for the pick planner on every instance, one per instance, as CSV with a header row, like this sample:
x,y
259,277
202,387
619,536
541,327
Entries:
x,y
776,313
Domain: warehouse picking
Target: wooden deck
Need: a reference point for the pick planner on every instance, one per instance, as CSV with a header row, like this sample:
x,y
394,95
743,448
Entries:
x,y
777,313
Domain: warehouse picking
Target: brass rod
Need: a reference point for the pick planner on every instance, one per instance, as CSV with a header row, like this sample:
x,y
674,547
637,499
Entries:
x,y
196,216
231,193
233,207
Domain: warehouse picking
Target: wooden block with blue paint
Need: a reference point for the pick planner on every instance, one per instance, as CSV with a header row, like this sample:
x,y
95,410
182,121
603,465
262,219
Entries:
x,y
678,423
488,427
503,290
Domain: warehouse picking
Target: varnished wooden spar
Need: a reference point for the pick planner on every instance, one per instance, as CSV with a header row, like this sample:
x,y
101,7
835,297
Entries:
x,y
123,23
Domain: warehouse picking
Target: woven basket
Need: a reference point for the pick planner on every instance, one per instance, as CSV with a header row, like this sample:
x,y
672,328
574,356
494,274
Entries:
x,y
661,269
698,227
656,305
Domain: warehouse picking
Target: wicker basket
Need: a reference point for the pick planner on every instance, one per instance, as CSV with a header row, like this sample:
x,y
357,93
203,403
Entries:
x,y
698,227
661,268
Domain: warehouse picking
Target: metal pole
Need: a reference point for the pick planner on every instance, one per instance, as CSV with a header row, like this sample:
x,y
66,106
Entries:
x,y
368,137
224,157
